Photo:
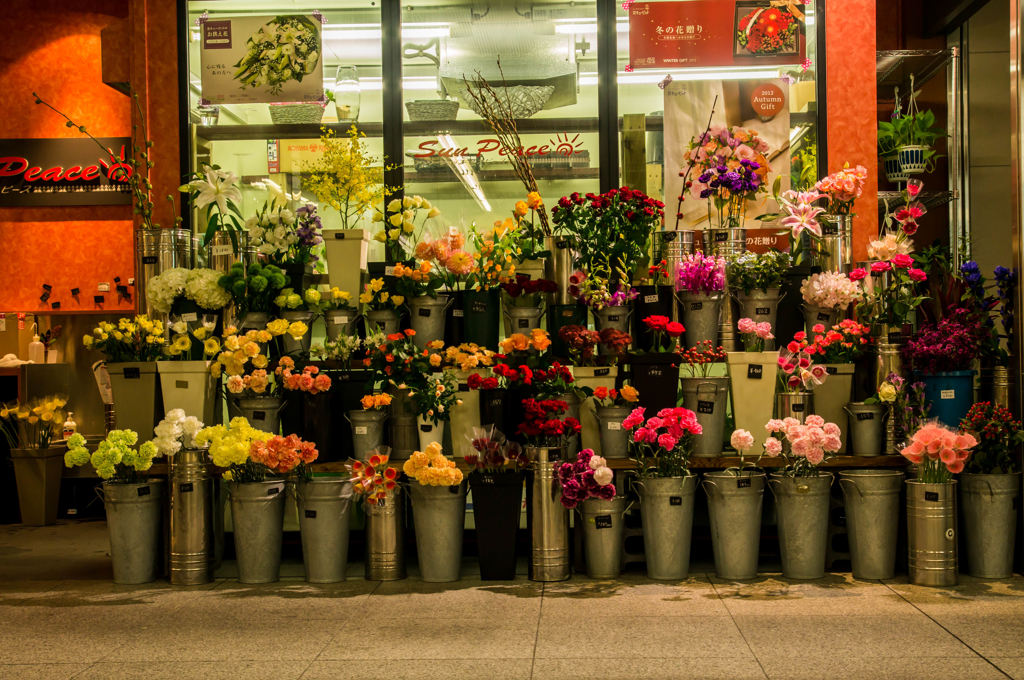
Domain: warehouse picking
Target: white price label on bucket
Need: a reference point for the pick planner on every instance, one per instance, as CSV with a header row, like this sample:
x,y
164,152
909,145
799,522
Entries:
x,y
614,425
360,429
947,394
339,318
389,271
650,299
191,316
221,250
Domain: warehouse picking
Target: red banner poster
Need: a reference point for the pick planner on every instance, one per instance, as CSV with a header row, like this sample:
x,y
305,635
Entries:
x,y
710,33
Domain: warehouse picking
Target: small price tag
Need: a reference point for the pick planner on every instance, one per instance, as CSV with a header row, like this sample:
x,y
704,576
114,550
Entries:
x,y
458,313
947,394
424,311
187,487
831,370
561,243
705,407
567,313
656,372
829,229
273,491
932,496
762,311
225,249
721,236
598,372
103,287
866,416
150,259
339,319
675,500
339,236
613,318
743,483
614,425
259,415
603,522
310,514
755,371
360,429
824,316
696,306
389,270
143,490
181,384
523,323
479,307
426,427
798,408
191,316
463,387
132,373
651,299
669,236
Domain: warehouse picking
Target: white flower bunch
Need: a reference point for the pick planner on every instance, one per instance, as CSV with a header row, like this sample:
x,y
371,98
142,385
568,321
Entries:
x,y
273,232
165,287
340,349
175,432
830,290
203,288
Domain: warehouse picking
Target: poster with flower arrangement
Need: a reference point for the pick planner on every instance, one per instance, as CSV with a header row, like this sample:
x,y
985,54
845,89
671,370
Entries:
x,y
269,59
765,29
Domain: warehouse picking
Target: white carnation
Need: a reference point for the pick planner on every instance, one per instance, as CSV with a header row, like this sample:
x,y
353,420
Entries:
x,y
164,288
830,290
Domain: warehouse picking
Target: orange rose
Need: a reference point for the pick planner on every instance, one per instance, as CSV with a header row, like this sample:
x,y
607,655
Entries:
x,y
520,342
521,208
533,200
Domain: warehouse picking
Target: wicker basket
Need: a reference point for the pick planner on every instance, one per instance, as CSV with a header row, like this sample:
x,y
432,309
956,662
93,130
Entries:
x,y
432,109
284,114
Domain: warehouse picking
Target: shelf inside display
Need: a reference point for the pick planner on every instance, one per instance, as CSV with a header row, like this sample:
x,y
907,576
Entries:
x,y
930,199
895,67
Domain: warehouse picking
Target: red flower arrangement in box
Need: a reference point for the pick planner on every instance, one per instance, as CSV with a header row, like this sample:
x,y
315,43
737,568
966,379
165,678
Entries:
x,y
768,30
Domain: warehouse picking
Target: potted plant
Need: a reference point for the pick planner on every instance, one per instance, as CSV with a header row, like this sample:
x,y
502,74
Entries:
x,y
439,512
434,401
917,134
798,377
497,467
840,190
752,375
989,489
938,453
286,236
381,309
608,302
656,374
706,394
802,491
755,280
588,482
890,138
612,407
131,347
368,424
339,314
132,500
655,297
942,354
376,483
215,193
661,447
420,288
443,267
840,349
31,430
481,300
827,295
700,283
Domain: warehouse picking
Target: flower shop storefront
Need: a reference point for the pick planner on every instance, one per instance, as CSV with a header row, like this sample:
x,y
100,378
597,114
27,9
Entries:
x,y
527,287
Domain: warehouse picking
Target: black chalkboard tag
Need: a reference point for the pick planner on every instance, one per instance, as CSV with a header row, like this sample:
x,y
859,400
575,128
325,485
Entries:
x,y
132,373
310,514
273,491
755,371
798,408
762,311
603,521
743,483
675,500
144,491
866,416
424,311
187,487
931,496
705,407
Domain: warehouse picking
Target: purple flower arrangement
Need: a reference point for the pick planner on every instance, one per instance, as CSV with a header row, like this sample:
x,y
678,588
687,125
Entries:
x,y
725,182
950,344
308,226
700,273
621,296
589,477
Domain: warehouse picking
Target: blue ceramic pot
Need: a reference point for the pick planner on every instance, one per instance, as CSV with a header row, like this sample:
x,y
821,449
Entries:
x,y
950,395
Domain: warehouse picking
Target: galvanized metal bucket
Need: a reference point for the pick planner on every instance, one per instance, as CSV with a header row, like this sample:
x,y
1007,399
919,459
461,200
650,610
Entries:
x,y
990,522
383,320
872,520
603,531
834,250
385,539
257,515
548,518
323,504
866,428
340,323
725,242
700,314
760,306
826,316
672,246
931,533
612,317
797,405
802,504
614,437
429,432
427,318
367,431
439,515
666,512
133,522
404,432
263,413
735,501
709,399
522,319
290,345
190,554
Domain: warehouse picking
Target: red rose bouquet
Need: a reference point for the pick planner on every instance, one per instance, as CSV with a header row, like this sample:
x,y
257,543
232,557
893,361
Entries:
x,y
665,331
544,422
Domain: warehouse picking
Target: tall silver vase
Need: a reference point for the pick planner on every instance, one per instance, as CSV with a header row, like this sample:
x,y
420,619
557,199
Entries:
x,y
191,518
802,504
549,520
323,504
257,514
385,538
666,513
931,533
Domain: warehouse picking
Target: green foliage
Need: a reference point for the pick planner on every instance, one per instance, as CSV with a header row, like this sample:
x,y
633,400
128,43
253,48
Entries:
x,y
748,272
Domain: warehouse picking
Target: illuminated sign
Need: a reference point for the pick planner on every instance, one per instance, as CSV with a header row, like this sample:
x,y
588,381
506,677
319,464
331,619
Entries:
x,y
64,172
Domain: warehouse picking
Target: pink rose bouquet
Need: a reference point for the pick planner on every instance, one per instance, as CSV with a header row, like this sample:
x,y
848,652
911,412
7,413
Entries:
x,y
661,445
754,334
797,370
589,477
938,452
842,188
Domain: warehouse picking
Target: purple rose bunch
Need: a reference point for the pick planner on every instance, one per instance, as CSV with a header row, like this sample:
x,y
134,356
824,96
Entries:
x,y
308,226
725,182
589,477
700,273
951,344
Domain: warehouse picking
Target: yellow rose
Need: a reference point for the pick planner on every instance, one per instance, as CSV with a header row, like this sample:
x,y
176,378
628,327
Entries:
x,y
887,392
396,300
395,220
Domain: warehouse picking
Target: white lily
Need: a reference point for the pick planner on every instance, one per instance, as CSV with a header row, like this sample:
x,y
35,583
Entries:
x,y
219,187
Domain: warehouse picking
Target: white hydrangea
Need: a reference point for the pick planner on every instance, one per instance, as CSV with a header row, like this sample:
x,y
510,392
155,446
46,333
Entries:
x,y
202,287
165,287
830,290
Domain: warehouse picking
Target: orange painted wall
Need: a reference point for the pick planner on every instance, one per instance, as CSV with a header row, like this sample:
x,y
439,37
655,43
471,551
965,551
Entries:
x,y
53,47
851,101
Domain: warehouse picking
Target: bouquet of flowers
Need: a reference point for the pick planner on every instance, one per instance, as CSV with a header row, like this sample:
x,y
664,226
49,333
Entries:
x,y
231,446
116,459
449,261
290,300
625,396
468,356
411,282
801,213
281,235
138,339
530,291
700,359
281,455
374,479
544,422
284,49
753,335
797,370
844,343
594,288
581,344
243,358
309,379
399,224
34,425
721,146
661,445
832,290
436,398
900,224
950,344
395,359
699,273
176,432
431,468
341,349
375,298
891,299
253,289
769,30
804,446
215,193
375,401
588,477
728,189
493,453
346,176
998,435
495,256
615,343
479,382
666,332
842,188
938,452
524,347
167,291
748,272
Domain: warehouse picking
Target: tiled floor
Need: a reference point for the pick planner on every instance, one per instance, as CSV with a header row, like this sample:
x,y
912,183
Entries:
x,y
61,617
